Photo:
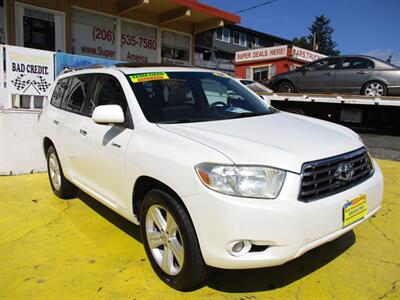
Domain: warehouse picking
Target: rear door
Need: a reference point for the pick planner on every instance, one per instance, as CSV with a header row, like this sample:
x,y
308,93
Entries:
x,y
72,119
352,74
318,77
102,157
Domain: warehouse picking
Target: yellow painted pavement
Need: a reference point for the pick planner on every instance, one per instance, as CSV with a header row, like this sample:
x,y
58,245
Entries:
x,y
79,249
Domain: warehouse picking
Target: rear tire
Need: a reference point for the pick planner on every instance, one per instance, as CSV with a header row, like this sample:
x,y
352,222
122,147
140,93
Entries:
x,y
173,249
60,185
286,87
374,89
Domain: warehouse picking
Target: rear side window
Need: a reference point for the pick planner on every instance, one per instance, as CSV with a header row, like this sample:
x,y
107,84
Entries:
x,y
77,94
357,63
59,92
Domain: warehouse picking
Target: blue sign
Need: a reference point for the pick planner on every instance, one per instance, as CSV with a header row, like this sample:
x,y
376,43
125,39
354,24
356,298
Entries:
x,y
67,61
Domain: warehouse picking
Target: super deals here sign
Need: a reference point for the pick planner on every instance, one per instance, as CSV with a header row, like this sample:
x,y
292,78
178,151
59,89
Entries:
x,y
29,71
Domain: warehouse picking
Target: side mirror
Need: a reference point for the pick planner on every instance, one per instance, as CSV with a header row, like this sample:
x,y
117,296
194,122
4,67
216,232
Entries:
x,y
108,114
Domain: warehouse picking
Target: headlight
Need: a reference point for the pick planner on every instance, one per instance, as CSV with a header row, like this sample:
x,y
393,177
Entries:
x,y
244,181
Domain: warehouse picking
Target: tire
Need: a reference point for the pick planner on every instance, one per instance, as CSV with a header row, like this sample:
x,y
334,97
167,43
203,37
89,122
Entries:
x,y
286,87
182,266
60,185
374,89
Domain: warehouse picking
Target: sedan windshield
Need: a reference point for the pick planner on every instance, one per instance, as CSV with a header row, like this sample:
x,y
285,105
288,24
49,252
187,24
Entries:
x,y
183,97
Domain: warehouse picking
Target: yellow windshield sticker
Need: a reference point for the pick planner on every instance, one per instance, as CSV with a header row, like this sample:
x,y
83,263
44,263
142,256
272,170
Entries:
x,y
220,74
136,78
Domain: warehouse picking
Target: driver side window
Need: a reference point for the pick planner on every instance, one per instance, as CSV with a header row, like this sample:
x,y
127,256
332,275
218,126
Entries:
x,y
107,90
325,64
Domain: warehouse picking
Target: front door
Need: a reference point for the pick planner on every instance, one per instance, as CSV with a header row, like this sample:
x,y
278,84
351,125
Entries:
x,y
39,28
102,163
318,77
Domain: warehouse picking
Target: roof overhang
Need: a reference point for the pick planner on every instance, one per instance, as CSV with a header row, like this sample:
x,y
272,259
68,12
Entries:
x,y
170,13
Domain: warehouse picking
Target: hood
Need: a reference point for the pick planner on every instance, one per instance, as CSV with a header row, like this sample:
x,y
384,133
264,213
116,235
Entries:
x,y
279,140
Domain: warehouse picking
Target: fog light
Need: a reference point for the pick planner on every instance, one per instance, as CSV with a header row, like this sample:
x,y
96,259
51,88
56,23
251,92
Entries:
x,y
238,248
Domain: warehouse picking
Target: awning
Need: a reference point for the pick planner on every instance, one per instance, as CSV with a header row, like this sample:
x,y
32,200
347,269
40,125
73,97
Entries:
x,y
178,13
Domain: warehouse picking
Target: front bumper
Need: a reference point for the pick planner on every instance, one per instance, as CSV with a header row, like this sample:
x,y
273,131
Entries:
x,y
290,227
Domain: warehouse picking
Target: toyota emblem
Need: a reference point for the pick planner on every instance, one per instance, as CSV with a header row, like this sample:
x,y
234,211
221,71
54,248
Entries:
x,y
344,172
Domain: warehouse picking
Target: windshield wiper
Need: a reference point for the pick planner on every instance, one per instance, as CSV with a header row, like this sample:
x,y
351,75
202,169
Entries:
x,y
250,114
183,121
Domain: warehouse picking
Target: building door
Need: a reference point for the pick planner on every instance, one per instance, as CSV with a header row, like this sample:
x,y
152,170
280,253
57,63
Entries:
x,y
39,28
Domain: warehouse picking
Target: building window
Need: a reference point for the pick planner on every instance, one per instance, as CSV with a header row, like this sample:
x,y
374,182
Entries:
x,y
239,38
224,34
138,42
256,41
261,74
175,48
93,34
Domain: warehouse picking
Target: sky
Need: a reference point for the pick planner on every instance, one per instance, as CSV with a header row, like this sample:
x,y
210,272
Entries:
x,y
369,27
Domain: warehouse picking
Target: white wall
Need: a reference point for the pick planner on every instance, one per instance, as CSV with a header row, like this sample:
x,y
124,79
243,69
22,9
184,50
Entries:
x,y
20,149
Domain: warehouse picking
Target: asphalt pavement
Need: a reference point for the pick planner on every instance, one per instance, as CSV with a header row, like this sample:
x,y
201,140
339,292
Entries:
x,y
383,146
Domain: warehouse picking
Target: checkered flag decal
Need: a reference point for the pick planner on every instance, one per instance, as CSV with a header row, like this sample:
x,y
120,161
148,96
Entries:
x,y
42,84
20,83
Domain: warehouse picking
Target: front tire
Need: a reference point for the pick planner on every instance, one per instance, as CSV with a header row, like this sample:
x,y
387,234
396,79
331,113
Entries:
x,y
374,89
286,87
60,185
170,242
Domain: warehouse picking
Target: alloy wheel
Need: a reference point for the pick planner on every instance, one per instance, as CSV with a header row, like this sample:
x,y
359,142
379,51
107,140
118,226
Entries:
x,y
54,171
374,89
164,239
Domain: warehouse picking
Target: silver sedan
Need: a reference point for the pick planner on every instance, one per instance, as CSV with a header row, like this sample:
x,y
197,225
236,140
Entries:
x,y
360,74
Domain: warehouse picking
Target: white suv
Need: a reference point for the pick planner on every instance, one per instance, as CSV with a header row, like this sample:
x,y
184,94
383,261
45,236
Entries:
x,y
214,175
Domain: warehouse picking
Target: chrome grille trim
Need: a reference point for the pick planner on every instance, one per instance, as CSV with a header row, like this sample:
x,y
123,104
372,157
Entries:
x,y
318,178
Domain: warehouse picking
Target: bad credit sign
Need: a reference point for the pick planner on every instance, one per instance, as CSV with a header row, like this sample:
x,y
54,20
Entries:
x,y
261,53
29,71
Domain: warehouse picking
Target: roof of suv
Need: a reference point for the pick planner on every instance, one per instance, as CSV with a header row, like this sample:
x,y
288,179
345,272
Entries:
x,y
131,68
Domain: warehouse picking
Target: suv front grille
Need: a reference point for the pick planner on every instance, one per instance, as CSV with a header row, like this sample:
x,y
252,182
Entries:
x,y
325,177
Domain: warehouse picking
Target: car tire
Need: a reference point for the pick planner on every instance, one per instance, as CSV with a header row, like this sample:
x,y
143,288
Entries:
x,y
174,251
374,89
60,185
286,87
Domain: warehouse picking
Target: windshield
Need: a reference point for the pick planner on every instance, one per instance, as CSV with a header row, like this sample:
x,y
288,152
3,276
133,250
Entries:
x,y
183,97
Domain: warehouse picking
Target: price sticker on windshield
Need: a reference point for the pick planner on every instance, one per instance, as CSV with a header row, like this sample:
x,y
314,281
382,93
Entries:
x,y
220,74
136,78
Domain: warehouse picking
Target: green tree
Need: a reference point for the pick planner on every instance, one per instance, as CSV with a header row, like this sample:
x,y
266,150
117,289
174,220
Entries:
x,y
302,42
321,31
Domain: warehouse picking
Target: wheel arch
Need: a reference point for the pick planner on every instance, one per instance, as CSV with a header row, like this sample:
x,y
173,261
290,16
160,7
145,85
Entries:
x,y
380,80
282,80
47,142
143,185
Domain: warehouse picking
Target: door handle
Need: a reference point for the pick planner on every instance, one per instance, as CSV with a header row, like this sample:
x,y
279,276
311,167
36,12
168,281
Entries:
x,y
115,145
83,132
327,73
361,72
56,122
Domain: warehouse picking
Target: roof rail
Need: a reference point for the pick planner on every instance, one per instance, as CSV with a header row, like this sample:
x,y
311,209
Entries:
x,y
143,65
83,67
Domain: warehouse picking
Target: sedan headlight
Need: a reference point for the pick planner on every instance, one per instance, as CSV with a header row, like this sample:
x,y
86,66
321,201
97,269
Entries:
x,y
243,181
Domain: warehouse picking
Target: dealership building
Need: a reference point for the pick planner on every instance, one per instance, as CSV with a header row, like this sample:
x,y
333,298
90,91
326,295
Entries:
x,y
129,30
262,63
40,38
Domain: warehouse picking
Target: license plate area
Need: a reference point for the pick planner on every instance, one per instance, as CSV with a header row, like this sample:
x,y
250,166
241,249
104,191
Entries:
x,y
355,210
